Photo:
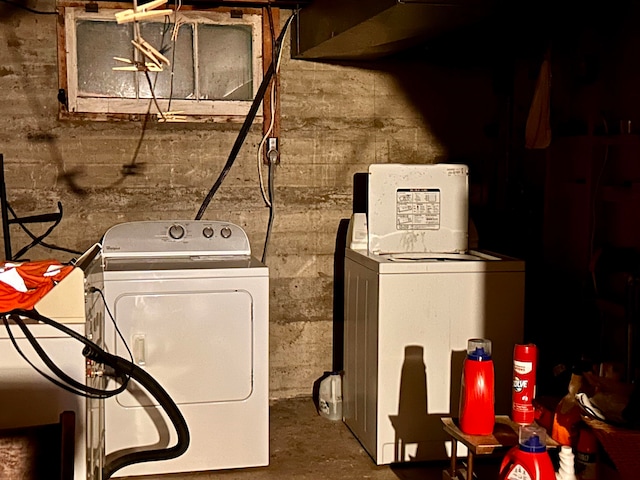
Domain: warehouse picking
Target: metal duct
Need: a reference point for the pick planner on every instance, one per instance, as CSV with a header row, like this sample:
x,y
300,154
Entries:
x,y
369,29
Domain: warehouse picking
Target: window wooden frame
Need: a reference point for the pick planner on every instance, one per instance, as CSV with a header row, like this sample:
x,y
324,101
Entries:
x,y
74,108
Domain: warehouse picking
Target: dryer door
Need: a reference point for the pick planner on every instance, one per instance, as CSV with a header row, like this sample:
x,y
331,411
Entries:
x,y
197,345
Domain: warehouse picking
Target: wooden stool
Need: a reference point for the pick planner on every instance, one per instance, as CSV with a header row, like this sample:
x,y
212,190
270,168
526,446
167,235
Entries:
x,y
505,435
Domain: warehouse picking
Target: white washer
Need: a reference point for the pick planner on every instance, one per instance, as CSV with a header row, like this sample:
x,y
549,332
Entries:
x,y
192,303
414,295
405,337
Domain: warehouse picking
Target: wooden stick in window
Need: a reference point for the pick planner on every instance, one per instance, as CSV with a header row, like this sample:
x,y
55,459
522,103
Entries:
x,y
151,53
136,66
142,12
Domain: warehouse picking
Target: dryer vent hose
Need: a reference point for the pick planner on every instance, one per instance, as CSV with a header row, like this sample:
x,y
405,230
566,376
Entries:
x,y
121,458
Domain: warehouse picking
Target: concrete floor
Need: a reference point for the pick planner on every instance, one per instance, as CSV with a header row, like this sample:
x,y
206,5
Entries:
x,y
306,446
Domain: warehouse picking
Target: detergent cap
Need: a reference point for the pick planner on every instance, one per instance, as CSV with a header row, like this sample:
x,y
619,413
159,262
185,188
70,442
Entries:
x,y
479,349
532,439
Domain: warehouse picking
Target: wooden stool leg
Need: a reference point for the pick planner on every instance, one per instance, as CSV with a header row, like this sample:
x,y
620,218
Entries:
x,y
470,466
454,457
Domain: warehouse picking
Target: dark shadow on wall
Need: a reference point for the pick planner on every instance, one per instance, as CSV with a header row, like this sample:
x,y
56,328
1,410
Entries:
x,y
338,306
359,205
338,295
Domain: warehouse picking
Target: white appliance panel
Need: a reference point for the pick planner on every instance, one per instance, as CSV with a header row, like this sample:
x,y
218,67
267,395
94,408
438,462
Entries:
x,y
147,239
165,332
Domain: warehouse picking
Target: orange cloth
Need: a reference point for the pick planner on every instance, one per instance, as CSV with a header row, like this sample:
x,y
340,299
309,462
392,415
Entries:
x,y
22,285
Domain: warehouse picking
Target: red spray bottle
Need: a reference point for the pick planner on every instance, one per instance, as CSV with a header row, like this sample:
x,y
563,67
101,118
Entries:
x,y
525,359
529,459
477,396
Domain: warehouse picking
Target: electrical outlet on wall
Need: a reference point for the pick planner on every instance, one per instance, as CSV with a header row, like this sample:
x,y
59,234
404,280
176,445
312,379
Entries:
x,y
273,155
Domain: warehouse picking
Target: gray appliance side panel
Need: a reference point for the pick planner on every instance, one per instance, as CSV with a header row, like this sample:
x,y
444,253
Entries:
x,y
360,381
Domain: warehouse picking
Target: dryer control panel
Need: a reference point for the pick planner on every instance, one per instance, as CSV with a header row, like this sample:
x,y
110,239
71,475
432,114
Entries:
x,y
175,238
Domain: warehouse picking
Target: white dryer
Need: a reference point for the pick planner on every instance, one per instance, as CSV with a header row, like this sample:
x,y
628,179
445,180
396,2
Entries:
x,y
192,304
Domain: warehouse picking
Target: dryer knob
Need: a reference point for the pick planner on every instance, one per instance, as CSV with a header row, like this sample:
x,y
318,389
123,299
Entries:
x,y
225,232
176,232
207,232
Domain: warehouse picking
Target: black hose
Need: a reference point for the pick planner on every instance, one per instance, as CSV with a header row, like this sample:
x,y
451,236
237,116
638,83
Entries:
x,y
68,383
119,459
16,315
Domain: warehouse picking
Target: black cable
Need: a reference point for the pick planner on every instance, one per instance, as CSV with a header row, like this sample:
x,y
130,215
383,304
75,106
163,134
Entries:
x,y
272,213
274,57
28,9
153,93
271,188
113,320
82,389
245,126
32,365
174,44
120,459
37,240
71,384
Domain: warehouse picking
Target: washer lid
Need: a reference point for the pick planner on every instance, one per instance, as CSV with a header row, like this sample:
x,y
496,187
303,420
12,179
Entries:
x,y
471,262
418,208
175,238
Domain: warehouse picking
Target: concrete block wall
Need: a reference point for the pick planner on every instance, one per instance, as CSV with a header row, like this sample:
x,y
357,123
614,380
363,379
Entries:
x,y
335,121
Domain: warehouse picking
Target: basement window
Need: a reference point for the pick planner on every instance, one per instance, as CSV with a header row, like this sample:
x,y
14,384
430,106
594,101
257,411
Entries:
x,y
208,68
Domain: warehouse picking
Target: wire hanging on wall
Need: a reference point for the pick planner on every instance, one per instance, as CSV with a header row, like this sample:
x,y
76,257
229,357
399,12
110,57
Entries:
x,y
246,124
276,55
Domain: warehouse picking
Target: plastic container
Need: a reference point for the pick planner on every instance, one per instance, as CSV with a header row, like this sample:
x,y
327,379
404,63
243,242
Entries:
x,y
477,396
525,359
529,460
566,464
330,397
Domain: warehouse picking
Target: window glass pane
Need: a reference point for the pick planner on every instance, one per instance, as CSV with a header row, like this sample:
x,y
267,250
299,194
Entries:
x,y
159,36
97,44
226,72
